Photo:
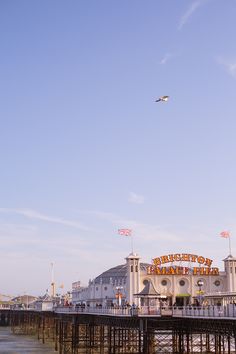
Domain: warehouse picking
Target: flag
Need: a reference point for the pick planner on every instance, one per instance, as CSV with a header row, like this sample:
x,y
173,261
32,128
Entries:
x,y
225,234
125,232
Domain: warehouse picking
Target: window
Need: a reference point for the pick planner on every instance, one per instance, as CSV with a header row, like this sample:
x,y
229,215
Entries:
x,y
164,282
96,288
217,283
105,288
181,282
131,269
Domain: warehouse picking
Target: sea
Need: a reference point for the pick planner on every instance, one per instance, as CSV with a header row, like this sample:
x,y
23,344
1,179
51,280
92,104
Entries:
x,y
19,344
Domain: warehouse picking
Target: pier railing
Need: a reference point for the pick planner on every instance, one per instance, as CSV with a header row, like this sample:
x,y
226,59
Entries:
x,y
122,311
228,311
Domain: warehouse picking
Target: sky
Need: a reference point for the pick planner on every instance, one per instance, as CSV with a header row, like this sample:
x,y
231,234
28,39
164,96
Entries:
x,y
85,150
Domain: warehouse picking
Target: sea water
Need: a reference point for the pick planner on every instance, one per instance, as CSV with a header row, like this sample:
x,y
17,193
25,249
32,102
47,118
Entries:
x,y
20,344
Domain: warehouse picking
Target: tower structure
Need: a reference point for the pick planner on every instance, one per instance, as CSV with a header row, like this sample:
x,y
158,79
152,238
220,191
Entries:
x,y
133,278
230,270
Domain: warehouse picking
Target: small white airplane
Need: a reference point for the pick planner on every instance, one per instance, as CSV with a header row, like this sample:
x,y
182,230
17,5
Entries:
x,y
163,99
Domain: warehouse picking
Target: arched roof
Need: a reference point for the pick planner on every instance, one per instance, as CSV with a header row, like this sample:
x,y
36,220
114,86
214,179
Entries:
x,y
116,274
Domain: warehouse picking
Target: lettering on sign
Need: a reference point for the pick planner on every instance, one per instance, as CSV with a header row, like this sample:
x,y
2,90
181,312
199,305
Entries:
x,y
204,267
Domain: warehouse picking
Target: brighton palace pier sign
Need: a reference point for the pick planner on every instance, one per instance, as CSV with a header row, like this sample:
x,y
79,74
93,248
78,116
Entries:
x,y
203,265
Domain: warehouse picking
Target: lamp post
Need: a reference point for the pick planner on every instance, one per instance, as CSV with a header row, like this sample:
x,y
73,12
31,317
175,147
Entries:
x,y
200,283
119,294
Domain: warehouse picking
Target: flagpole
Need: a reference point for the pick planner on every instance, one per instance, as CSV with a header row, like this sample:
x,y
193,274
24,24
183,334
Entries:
x,y
230,246
127,232
226,234
132,243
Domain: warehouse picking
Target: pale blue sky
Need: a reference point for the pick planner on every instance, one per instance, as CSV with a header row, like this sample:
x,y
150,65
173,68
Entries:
x,y
85,150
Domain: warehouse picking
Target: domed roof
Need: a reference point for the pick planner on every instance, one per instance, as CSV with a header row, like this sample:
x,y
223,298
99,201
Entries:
x,y
144,266
116,274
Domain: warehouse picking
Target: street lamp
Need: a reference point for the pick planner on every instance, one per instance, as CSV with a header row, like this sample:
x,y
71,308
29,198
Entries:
x,y
200,283
119,294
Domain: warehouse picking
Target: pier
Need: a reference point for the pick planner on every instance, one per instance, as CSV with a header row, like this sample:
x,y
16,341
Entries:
x,y
173,330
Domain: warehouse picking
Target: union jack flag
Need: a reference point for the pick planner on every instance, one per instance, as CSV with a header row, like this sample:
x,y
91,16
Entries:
x,y
225,234
125,232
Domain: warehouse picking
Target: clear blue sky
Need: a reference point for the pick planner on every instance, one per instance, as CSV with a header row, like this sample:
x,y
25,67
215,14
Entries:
x,y
85,149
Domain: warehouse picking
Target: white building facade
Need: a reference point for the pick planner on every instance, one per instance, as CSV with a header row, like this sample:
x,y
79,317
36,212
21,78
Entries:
x,y
181,277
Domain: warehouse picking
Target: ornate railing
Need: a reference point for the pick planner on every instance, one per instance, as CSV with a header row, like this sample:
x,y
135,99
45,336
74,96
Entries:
x,y
119,311
228,311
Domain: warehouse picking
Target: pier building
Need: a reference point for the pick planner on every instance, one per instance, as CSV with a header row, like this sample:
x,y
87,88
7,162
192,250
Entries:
x,y
177,279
